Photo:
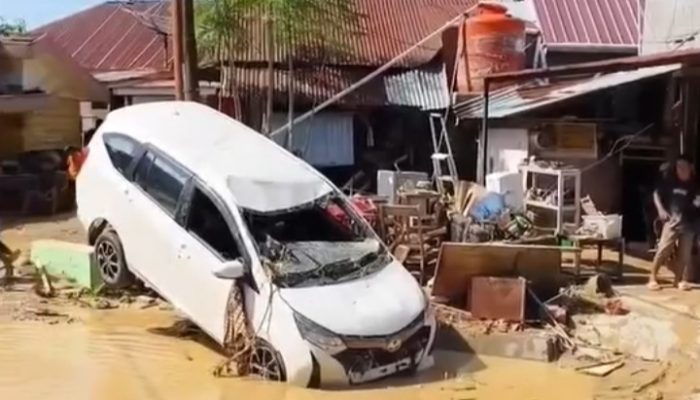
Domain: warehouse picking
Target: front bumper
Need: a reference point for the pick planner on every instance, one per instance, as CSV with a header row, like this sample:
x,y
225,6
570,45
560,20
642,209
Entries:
x,y
358,364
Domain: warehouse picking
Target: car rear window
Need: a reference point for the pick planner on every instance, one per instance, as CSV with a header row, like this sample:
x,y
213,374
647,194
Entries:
x,y
121,150
162,180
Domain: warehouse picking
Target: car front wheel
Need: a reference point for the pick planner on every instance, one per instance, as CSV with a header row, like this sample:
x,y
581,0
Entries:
x,y
266,362
109,255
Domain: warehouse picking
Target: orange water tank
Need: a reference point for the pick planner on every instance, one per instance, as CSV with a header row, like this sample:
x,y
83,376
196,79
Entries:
x,y
495,43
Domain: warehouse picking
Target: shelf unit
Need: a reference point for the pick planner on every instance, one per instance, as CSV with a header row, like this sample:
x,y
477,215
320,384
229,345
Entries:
x,y
562,176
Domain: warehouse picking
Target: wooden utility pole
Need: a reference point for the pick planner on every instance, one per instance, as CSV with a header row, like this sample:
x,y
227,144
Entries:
x,y
270,50
176,20
191,77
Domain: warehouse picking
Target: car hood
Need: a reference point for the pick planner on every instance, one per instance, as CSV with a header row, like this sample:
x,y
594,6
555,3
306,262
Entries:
x,y
378,304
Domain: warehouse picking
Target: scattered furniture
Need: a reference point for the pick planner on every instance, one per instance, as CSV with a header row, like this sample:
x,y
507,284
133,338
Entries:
x,y
618,244
532,175
401,229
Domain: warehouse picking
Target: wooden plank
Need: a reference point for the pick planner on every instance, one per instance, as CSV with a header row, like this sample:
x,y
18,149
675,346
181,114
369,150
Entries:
x,y
459,262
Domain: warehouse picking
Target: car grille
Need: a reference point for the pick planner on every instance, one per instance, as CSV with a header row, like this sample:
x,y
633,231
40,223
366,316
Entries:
x,y
359,360
384,341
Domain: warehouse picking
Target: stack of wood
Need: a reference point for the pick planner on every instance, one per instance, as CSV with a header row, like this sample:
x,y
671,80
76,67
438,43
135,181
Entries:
x,y
414,230
466,195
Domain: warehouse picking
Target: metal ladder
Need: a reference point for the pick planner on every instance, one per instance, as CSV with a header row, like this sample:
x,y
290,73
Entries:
x,y
442,153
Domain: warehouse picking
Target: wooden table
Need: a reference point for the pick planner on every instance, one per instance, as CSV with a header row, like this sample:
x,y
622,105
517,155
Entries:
x,y
619,244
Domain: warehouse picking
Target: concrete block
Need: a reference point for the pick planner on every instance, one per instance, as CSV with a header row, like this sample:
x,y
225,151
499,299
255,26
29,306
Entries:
x,y
73,261
528,345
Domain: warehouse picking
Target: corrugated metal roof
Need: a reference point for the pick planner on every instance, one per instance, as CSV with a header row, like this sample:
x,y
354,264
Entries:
x,y
589,22
425,88
125,35
517,99
118,76
377,31
114,35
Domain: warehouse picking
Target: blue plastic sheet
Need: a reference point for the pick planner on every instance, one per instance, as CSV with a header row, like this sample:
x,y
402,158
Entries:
x,y
490,207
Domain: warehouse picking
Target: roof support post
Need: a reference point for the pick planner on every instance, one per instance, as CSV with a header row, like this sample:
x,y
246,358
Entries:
x,y
176,18
482,159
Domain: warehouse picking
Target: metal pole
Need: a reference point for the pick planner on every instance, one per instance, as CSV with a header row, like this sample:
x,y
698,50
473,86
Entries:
x,y
482,159
176,20
372,75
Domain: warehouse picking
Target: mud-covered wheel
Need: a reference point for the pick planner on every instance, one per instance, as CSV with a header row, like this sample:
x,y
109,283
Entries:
x,y
266,362
111,261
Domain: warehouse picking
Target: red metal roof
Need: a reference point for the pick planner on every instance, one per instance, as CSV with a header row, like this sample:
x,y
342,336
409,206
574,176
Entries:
x,y
589,22
124,35
114,35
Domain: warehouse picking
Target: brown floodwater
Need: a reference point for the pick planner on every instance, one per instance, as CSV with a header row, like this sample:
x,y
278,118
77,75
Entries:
x,y
115,355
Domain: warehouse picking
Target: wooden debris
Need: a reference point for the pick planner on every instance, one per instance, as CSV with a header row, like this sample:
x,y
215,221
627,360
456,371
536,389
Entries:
x,y
45,312
601,369
45,289
654,380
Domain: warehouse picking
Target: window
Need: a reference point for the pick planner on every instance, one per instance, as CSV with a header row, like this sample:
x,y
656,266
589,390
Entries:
x,y
162,180
206,222
121,150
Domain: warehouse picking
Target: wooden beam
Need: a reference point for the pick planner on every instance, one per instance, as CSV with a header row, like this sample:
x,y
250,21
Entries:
x,y
176,19
690,57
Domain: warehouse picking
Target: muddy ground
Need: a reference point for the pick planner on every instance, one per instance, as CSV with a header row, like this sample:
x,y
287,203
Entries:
x,y
81,346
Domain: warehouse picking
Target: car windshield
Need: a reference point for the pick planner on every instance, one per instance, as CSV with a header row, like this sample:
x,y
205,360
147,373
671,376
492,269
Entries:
x,y
319,243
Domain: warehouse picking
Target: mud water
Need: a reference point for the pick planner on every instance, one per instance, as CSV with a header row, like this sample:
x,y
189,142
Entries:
x,y
119,354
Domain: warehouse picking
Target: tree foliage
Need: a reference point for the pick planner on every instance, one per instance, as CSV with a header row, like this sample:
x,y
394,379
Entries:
x,y
17,27
283,28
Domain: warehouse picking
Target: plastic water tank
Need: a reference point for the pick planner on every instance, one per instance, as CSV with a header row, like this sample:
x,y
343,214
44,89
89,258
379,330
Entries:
x,y
495,43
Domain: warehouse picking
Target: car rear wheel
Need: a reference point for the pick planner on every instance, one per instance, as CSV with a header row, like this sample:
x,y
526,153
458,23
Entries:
x,y
111,261
266,362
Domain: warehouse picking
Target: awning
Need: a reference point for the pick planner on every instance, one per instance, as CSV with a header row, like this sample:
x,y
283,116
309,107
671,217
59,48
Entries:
x,y
520,98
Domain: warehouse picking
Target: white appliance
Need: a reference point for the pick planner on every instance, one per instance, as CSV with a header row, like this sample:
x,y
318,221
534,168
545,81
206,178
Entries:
x,y
509,184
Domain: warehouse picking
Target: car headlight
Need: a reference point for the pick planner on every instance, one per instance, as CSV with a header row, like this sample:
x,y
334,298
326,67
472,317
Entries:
x,y
318,335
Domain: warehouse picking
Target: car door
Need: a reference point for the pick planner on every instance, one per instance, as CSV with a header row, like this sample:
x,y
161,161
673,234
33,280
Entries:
x,y
208,238
159,184
122,152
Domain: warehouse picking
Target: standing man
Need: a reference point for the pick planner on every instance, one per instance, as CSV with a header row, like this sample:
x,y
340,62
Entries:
x,y
676,200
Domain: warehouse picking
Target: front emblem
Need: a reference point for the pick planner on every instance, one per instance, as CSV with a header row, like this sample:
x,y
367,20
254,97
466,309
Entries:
x,y
393,345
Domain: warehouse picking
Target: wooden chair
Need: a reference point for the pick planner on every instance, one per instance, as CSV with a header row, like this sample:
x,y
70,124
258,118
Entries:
x,y
401,228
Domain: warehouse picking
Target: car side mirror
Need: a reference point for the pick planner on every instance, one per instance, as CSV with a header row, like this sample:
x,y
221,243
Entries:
x,y
230,270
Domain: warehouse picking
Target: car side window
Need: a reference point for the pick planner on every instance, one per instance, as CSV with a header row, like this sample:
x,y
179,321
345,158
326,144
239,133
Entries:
x,y
162,180
207,223
121,151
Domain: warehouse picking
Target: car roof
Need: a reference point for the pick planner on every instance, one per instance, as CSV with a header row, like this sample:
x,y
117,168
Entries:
x,y
223,152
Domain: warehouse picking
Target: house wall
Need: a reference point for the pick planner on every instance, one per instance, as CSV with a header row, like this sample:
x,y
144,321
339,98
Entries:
x,y
602,180
670,25
11,134
10,73
507,147
56,126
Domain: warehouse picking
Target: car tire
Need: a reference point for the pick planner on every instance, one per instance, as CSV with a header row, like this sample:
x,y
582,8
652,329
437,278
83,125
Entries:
x,y
266,362
109,255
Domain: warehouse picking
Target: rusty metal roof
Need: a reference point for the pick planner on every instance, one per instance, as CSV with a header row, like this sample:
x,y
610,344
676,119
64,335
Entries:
x,y
114,35
424,88
118,35
594,23
516,99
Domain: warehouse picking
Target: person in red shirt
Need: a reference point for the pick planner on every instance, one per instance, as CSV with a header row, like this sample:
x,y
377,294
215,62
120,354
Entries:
x,y
75,159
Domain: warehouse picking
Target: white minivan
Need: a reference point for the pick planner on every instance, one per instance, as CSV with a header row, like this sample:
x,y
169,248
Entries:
x,y
188,200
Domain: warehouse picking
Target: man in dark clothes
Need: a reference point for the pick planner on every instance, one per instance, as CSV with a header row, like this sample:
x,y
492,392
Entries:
x,y
676,200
